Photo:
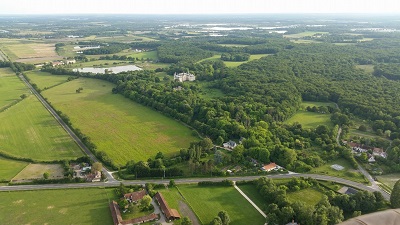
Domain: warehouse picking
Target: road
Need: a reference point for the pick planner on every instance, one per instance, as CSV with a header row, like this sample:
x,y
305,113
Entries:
x,y
66,127
188,180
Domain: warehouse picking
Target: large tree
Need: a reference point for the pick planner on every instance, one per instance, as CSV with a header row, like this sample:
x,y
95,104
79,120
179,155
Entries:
x,y
224,217
395,196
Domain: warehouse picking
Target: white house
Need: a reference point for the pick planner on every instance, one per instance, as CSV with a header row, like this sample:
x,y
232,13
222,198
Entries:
x,y
230,144
181,77
270,167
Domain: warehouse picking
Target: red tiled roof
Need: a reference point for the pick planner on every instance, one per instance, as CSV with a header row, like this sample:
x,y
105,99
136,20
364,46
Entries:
x,y
135,196
169,213
116,214
269,166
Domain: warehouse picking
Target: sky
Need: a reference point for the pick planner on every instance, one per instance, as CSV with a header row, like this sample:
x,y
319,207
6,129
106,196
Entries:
x,y
196,6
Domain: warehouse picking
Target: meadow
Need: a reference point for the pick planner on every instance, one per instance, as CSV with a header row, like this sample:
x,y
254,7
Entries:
x,y
67,206
234,64
28,130
206,202
36,171
11,88
347,173
311,119
309,196
10,168
125,130
45,80
389,179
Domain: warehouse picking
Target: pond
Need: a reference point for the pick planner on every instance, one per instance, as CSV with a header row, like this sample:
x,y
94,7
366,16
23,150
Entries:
x,y
116,69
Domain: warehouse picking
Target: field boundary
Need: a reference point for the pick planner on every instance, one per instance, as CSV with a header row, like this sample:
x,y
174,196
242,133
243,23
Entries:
x,y
190,206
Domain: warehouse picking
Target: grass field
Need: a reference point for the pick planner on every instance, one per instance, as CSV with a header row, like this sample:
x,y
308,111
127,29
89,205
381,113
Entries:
x,y
11,87
309,196
310,119
389,179
208,201
305,104
28,50
53,207
303,34
118,126
234,64
35,171
367,68
209,92
28,130
10,168
45,80
251,191
347,173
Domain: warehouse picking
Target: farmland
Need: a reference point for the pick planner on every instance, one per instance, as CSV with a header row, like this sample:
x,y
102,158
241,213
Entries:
x,y
29,51
29,131
45,80
10,168
81,206
123,129
208,201
11,87
35,171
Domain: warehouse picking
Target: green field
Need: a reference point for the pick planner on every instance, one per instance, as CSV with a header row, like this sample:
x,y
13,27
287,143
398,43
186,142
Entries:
x,y
347,173
234,64
209,92
389,179
303,34
309,196
310,119
10,168
251,191
208,201
305,104
28,130
367,68
11,88
68,206
125,130
45,80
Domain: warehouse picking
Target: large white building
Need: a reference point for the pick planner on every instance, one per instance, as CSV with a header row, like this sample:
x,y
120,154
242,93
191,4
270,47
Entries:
x,y
181,77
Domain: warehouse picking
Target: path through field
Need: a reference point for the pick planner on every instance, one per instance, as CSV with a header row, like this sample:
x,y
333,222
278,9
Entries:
x,y
187,211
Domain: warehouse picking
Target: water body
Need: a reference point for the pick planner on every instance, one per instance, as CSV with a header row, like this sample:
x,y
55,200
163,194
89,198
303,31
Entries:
x,y
115,70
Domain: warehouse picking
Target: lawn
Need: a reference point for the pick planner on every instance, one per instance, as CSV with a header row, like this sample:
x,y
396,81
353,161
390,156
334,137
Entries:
x,y
347,173
208,201
389,179
11,88
36,171
68,206
45,80
28,130
251,191
310,119
125,130
10,168
309,196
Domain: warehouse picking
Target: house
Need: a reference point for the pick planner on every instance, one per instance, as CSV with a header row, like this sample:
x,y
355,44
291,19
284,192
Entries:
x,y
94,177
269,167
70,61
135,196
371,159
170,214
379,152
181,77
117,218
57,63
230,144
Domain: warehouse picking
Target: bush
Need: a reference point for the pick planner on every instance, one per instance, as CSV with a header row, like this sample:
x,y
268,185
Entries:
x,y
226,183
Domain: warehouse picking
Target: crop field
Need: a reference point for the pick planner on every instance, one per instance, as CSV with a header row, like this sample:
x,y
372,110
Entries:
x,y
35,171
10,168
125,130
389,179
28,130
309,196
29,51
206,202
52,207
11,87
347,173
45,80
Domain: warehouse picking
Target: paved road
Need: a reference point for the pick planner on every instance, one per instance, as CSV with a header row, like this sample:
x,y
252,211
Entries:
x,y
66,127
188,180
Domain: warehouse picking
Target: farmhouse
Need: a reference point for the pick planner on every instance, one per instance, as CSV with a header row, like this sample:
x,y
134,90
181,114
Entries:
x,y
117,218
379,152
230,144
181,77
170,214
135,196
57,63
269,167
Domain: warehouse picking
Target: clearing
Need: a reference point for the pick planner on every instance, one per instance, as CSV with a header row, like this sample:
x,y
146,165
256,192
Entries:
x,y
311,119
234,64
309,196
125,130
303,34
35,171
67,206
10,168
28,130
367,68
